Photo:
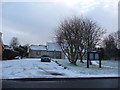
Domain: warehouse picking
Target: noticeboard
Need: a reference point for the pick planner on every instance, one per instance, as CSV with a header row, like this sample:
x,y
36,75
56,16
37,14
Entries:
x,y
93,56
97,56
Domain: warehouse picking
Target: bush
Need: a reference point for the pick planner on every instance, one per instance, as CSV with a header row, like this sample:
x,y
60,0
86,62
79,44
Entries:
x,y
9,54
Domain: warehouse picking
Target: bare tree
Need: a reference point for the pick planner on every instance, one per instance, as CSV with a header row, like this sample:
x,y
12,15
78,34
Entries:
x,y
116,38
75,34
67,37
110,46
14,42
92,34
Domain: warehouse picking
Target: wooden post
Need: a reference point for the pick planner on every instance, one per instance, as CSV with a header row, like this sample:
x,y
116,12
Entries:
x,y
87,60
99,60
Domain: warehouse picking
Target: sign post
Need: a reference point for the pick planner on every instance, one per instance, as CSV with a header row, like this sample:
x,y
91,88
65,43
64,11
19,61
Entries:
x,y
93,55
88,60
99,60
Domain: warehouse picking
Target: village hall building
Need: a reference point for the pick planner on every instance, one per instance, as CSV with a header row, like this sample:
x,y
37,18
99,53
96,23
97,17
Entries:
x,y
51,48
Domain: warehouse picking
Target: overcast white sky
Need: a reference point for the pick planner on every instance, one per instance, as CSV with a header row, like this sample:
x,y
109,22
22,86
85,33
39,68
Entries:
x,y
35,22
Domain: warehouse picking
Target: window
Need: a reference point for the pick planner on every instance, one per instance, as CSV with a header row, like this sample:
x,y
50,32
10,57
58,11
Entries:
x,y
38,52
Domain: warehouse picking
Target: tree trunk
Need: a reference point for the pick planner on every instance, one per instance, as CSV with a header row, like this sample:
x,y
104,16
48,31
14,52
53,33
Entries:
x,y
81,58
73,60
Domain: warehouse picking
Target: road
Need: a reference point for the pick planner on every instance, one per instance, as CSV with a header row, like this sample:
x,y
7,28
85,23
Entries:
x,y
63,83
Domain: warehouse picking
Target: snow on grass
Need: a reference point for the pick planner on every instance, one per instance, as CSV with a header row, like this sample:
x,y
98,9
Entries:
x,y
109,68
34,68
30,68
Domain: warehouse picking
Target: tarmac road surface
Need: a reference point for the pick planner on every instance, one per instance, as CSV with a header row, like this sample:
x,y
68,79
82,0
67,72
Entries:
x,y
62,83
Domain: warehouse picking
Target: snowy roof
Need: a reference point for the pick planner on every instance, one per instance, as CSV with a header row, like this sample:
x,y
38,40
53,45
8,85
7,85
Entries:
x,y
52,46
38,47
7,47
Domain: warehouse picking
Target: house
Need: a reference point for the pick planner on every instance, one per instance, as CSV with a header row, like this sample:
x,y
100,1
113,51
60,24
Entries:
x,y
36,51
0,46
52,49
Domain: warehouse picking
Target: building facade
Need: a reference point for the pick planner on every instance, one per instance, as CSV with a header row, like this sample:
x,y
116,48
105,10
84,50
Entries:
x,y
0,46
51,49
36,51
54,51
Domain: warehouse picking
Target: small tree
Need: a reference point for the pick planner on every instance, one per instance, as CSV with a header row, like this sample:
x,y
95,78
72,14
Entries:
x,y
111,44
22,50
14,42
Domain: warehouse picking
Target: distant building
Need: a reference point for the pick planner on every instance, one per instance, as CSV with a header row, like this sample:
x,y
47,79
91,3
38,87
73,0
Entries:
x,y
54,51
1,45
51,49
36,51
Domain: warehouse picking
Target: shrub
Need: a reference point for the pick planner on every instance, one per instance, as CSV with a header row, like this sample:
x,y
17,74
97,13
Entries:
x,y
9,54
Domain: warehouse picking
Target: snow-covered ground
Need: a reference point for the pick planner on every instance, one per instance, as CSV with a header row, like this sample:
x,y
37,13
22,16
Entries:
x,y
58,68
109,68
